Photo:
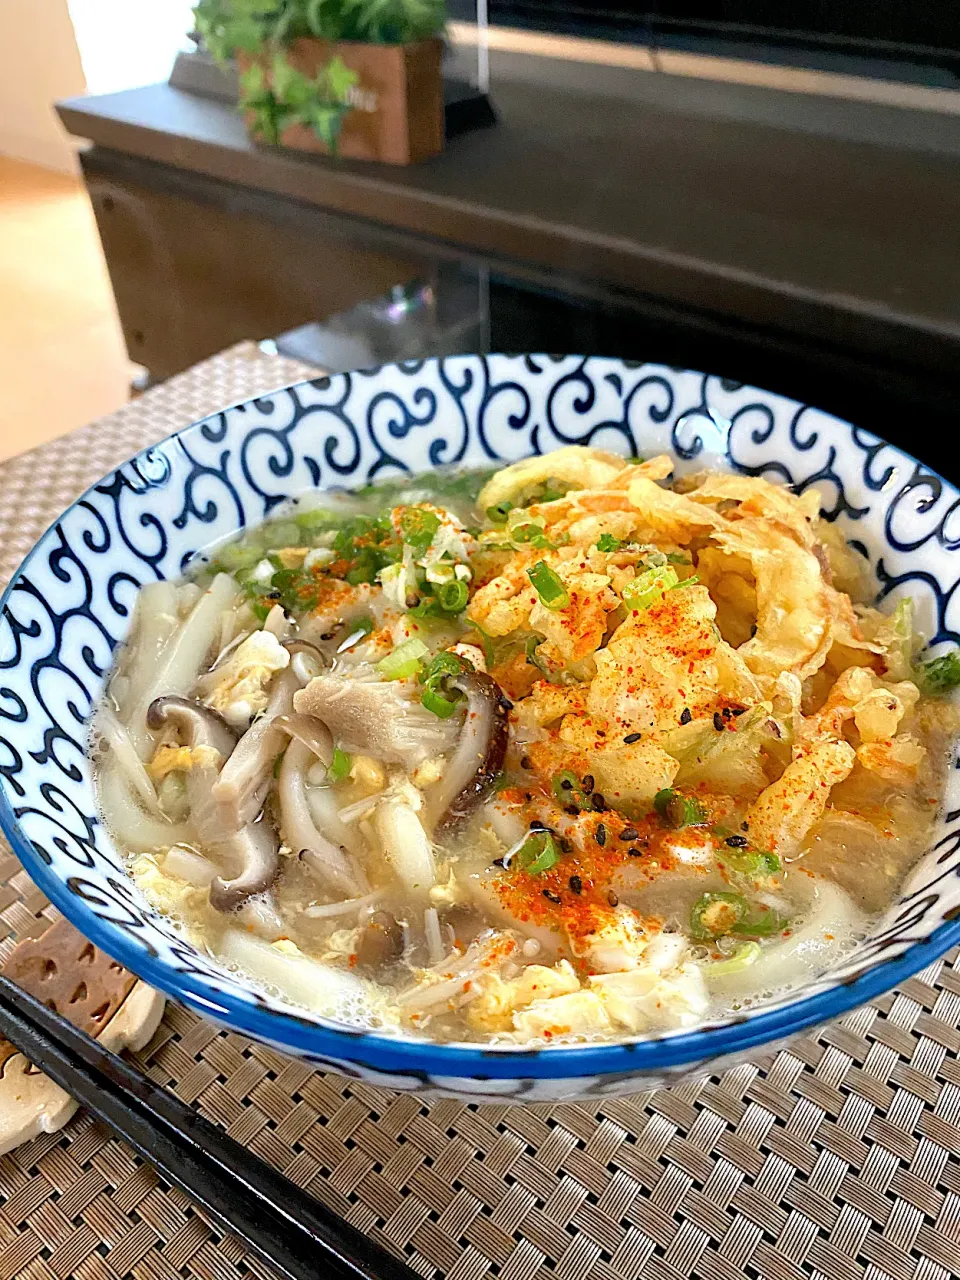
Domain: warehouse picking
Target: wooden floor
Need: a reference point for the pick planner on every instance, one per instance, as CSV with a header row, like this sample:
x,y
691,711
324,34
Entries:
x,y
62,358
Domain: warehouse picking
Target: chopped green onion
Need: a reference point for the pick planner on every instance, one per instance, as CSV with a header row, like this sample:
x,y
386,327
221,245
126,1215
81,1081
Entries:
x,y
566,786
366,569
427,607
717,915
437,696
745,863
675,557
404,661
317,518
607,542
281,533
678,811
538,853
444,663
533,644
530,535
686,582
238,555
502,782
744,956
260,610
649,587
548,586
762,922
940,675
340,766
433,699
418,526
498,514
361,627
489,649
452,596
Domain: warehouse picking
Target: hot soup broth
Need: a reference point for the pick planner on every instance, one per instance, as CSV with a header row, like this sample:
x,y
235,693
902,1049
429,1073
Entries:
x,y
569,751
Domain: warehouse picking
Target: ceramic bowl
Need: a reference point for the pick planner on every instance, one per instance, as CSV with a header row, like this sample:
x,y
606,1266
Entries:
x,y
69,606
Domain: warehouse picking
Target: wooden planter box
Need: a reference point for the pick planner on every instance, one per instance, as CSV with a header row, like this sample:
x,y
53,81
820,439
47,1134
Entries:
x,y
397,114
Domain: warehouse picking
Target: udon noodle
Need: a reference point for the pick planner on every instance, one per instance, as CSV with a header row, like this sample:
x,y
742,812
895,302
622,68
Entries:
x,y
570,751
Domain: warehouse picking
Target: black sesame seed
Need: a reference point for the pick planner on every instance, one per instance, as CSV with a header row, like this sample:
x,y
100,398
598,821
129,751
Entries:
x,y
498,862
718,721
566,784
553,897
526,762
628,833
612,898
327,635
635,852
506,704
737,711
598,802
686,715
632,738
744,826
572,809
273,595
566,846
576,884
588,783
537,825
601,834
737,842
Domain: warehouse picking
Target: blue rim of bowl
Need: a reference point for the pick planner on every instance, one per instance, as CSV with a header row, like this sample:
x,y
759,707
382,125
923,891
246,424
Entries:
x,y
451,1063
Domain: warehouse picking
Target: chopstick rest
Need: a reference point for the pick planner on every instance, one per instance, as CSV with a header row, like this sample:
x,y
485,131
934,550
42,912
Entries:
x,y
85,986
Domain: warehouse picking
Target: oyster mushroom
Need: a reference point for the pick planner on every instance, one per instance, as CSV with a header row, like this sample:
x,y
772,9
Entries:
x,y
299,829
254,848
243,782
478,757
381,941
376,717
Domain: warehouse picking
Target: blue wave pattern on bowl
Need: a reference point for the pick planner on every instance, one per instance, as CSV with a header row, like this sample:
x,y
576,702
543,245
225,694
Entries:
x,y
70,605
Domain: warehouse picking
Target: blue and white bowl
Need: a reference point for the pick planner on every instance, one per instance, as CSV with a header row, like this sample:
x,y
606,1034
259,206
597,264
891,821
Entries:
x,y
69,606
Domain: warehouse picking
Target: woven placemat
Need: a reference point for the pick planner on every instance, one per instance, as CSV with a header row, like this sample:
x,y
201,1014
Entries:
x,y
836,1159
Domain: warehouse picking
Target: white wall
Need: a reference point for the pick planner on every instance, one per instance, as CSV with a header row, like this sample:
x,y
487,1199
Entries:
x,y
39,63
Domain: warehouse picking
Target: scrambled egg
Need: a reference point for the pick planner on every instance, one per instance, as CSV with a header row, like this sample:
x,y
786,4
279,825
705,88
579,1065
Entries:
x,y
240,683
495,1009
187,903
618,943
171,759
662,990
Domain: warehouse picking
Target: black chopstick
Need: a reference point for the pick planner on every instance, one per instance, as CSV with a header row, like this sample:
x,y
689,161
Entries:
x,y
284,1226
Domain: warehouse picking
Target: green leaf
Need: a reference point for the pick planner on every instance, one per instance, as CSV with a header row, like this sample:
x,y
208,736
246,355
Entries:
x,y
340,79
291,88
253,82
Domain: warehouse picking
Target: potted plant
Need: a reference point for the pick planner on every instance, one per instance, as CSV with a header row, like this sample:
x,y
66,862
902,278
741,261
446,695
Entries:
x,y
358,78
